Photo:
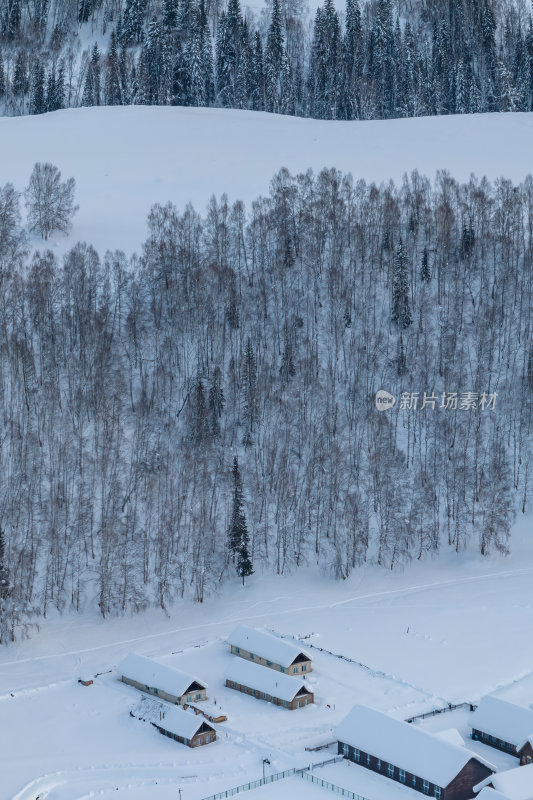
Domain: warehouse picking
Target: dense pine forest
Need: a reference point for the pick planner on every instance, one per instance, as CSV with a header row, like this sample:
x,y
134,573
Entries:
x,y
381,59
207,407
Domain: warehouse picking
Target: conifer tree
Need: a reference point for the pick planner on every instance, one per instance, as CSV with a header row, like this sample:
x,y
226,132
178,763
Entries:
x,y
237,528
216,402
274,53
38,105
425,274
401,312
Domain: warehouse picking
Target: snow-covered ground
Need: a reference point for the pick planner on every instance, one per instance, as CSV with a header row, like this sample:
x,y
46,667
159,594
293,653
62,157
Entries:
x,y
126,158
438,632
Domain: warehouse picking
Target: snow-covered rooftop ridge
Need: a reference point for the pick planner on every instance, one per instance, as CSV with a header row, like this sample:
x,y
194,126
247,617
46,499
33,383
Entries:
x,y
488,793
266,645
404,745
450,735
266,680
180,722
507,721
516,784
155,675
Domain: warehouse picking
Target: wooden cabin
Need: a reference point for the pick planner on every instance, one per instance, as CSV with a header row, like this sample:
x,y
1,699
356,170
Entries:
x,y
164,682
514,784
525,752
265,684
409,755
504,726
267,650
185,727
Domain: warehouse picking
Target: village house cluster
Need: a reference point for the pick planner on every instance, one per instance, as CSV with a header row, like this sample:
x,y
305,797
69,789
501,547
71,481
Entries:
x,y
265,667
275,670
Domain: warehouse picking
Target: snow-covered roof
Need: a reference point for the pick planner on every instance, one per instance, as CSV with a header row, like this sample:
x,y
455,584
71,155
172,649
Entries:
x,y
450,735
506,721
264,644
516,784
487,793
182,723
404,745
263,679
158,676
527,740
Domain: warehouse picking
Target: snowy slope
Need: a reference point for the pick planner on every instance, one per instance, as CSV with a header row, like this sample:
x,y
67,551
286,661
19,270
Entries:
x,y
422,633
126,158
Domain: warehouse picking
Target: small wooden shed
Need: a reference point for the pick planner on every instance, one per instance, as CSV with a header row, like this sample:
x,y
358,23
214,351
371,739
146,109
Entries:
x,y
186,727
525,752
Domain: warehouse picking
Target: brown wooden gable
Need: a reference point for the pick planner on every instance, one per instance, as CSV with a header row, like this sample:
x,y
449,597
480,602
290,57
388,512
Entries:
x,y
300,658
462,786
526,754
302,691
204,728
194,687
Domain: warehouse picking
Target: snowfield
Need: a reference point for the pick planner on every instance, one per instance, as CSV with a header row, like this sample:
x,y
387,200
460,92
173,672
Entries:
x,y
124,159
435,633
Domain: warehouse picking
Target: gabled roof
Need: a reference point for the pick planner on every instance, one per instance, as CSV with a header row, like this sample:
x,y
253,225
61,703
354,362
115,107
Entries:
x,y
527,740
263,679
264,644
516,784
487,793
450,735
156,676
506,721
181,723
404,745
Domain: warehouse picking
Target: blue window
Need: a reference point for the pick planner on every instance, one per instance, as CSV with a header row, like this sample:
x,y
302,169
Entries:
x,y
295,670
378,764
251,656
401,775
368,758
425,787
356,754
414,781
237,650
345,750
390,770
304,667
436,792
269,663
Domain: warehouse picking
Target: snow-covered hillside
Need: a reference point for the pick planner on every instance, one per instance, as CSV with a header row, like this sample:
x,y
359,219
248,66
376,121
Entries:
x,y
126,158
436,633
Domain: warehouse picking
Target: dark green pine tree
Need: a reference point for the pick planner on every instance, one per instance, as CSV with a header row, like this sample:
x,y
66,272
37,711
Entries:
x,y
237,527
38,102
10,23
244,562
132,22
92,88
274,52
199,425
2,79
170,14
287,369
4,576
425,274
257,80
250,393
351,61
113,90
401,312
216,402
20,77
